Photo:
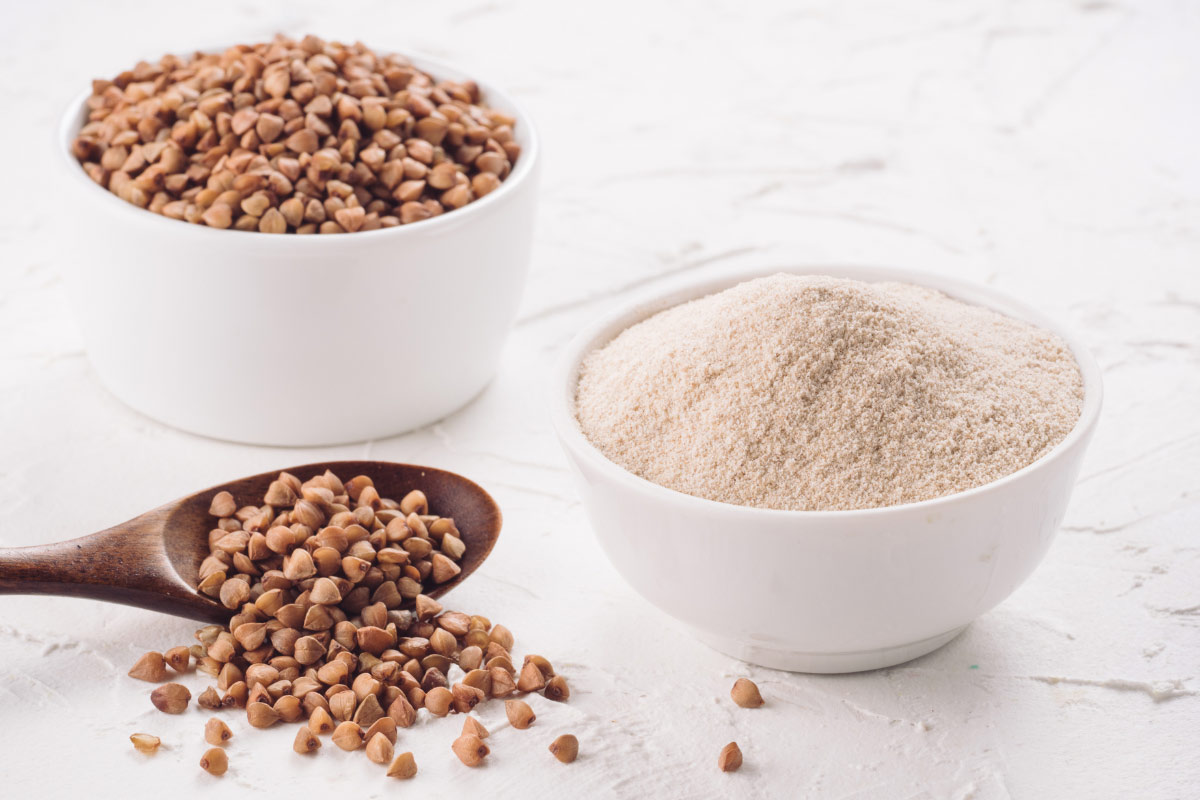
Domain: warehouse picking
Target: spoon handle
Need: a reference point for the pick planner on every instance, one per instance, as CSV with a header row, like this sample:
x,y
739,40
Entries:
x,y
118,565
91,566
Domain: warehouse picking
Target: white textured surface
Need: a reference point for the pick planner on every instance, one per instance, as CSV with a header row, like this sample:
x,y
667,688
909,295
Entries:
x,y
1043,147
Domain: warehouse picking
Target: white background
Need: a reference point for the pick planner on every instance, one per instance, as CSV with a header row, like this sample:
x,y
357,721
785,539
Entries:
x,y
1046,148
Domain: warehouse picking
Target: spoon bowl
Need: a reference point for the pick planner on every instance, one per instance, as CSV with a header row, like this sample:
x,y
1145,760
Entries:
x,y
153,560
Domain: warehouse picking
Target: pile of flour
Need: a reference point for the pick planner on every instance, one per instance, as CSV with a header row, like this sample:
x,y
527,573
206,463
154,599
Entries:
x,y
816,393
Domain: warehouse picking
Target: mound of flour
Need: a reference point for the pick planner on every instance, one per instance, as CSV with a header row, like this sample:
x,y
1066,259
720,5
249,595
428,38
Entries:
x,y
816,393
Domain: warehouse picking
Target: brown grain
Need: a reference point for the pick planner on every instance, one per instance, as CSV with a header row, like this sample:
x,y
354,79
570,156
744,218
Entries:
x,y
150,667
565,748
745,693
214,761
348,736
293,136
305,742
171,698
145,743
730,758
470,749
379,749
217,732
403,767
520,715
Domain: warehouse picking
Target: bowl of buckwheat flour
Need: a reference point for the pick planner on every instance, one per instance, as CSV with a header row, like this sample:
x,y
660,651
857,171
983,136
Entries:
x,y
826,470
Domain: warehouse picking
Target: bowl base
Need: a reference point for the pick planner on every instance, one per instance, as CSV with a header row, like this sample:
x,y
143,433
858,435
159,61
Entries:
x,y
825,663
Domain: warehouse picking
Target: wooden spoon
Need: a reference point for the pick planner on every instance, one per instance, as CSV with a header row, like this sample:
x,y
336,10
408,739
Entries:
x,y
152,561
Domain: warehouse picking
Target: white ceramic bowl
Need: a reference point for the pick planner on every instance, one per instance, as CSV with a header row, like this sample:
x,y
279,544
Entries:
x,y
298,340
824,591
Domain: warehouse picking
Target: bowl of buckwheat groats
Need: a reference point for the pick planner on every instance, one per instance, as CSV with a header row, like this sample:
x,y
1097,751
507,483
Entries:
x,y
248,219
826,469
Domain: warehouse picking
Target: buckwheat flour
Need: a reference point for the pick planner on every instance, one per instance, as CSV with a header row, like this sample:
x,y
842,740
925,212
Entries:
x,y
816,393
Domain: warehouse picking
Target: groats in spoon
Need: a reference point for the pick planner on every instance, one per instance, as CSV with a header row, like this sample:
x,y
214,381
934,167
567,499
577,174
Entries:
x,y
152,561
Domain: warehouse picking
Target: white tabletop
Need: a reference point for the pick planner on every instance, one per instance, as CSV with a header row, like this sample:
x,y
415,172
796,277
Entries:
x,y
1047,149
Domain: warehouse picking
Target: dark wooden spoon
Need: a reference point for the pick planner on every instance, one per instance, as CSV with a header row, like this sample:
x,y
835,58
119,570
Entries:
x,y
152,561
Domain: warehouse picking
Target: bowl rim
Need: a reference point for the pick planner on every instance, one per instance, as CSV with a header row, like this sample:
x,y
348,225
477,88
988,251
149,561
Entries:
x,y
602,330
524,131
